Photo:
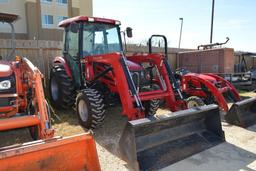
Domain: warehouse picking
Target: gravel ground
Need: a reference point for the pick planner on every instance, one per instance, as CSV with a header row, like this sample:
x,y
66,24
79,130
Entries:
x,y
238,153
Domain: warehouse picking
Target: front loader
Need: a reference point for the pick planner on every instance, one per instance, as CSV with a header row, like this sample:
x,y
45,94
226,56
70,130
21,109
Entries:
x,y
23,105
214,89
94,73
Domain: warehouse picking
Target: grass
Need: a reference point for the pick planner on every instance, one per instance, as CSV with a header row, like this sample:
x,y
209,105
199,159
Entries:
x,y
68,124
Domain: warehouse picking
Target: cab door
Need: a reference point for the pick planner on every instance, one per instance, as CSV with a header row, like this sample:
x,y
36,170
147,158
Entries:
x,y
71,52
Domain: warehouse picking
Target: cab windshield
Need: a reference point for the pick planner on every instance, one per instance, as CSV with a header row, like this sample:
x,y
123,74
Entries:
x,y
100,38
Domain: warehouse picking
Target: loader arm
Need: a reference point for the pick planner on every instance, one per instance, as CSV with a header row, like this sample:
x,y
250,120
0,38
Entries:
x,y
123,82
200,92
34,78
175,104
227,83
172,78
241,113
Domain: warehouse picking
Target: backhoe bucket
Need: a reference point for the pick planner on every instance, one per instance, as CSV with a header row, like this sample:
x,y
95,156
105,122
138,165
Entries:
x,y
242,113
70,153
153,144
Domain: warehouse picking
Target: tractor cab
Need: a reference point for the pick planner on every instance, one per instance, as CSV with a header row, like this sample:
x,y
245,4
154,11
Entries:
x,y
90,36
86,36
100,38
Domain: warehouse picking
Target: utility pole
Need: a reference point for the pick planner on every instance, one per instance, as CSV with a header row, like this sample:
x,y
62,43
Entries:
x,y
213,3
181,25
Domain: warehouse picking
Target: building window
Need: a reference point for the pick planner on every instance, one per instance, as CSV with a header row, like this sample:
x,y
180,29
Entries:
x,y
47,21
4,1
47,1
62,2
60,18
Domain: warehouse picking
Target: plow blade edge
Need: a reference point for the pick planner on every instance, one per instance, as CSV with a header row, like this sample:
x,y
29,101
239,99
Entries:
x,y
242,113
153,144
70,153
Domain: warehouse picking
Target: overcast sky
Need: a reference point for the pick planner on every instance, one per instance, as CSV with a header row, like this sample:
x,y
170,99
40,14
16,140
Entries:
x,y
235,19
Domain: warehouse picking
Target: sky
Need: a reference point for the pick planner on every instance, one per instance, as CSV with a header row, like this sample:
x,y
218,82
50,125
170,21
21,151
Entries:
x,y
235,19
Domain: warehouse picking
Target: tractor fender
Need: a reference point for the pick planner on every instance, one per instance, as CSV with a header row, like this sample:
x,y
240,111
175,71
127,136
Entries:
x,y
59,60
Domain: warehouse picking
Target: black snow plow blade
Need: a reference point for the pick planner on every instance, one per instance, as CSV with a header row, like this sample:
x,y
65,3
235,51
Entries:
x,y
242,113
153,144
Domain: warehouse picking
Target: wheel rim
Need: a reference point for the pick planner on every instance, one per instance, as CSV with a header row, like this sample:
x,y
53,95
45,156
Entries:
x,y
192,104
83,110
54,89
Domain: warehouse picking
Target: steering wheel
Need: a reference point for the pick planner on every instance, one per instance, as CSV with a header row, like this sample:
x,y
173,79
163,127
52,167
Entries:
x,y
99,49
179,72
86,53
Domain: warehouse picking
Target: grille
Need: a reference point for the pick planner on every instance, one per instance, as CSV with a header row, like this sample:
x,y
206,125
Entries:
x,y
6,101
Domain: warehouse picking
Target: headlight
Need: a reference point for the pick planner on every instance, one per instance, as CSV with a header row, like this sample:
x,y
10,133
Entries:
x,y
4,85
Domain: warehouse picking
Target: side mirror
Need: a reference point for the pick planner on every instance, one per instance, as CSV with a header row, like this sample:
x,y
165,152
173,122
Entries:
x,y
74,27
129,32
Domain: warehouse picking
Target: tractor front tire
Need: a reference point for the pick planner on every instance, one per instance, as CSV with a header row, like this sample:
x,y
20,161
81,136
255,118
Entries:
x,y
194,101
62,89
90,108
33,130
151,107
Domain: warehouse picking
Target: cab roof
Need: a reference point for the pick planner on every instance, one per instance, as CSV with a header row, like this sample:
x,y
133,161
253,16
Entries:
x,y
68,21
9,18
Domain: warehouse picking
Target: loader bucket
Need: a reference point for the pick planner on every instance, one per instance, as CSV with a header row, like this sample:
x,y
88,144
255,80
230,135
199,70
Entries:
x,y
242,113
156,143
70,153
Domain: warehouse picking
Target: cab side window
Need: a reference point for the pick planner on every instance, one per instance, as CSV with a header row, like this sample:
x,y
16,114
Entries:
x,y
71,45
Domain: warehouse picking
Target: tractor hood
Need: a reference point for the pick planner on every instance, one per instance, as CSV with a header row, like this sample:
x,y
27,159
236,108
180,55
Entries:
x,y
5,69
134,66
205,77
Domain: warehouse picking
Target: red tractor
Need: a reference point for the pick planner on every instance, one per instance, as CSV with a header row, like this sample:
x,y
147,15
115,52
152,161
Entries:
x,y
215,89
94,73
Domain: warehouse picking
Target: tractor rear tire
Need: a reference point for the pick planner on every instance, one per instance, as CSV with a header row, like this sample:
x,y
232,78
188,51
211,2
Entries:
x,y
62,89
194,101
33,130
90,108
